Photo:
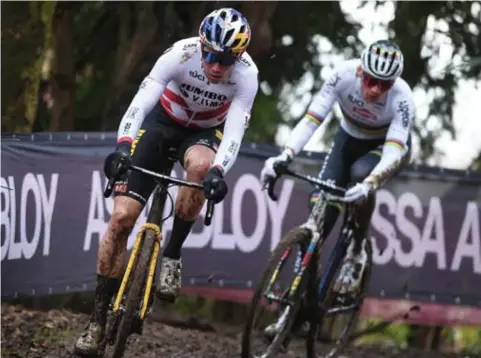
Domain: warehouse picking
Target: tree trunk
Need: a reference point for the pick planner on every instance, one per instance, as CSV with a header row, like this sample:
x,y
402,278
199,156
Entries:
x,y
259,15
22,36
191,14
129,54
425,337
63,73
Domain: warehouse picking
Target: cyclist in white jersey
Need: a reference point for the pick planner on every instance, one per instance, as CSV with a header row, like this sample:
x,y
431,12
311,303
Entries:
x,y
195,105
371,145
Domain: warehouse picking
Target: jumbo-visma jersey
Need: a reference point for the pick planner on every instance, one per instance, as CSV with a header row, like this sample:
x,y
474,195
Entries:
x,y
179,83
190,99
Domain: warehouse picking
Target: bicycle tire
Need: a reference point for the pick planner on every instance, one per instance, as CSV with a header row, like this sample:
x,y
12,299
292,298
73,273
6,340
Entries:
x,y
134,295
328,299
355,316
294,237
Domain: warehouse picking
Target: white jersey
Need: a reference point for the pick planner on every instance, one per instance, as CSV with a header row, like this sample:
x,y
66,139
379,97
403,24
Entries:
x,y
178,81
391,117
362,119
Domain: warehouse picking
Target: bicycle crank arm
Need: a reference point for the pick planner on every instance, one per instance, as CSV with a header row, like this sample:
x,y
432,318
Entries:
x,y
339,310
275,298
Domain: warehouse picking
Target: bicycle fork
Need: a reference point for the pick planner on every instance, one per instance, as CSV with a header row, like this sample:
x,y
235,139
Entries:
x,y
300,267
334,261
151,273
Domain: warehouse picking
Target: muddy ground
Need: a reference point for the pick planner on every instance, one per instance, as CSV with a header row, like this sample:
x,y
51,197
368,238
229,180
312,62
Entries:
x,y
50,334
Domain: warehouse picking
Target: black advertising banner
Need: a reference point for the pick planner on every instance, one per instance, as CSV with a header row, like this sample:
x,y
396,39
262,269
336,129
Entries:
x,y
425,229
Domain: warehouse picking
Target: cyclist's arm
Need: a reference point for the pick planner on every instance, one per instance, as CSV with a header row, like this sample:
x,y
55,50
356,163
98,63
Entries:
x,y
318,110
148,94
396,144
236,122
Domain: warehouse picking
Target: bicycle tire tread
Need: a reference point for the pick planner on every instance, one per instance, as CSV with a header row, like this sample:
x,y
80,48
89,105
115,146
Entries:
x,y
293,237
134,293
354,317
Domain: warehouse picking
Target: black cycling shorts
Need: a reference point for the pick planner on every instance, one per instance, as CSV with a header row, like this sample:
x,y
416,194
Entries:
x,y
350,160
160,142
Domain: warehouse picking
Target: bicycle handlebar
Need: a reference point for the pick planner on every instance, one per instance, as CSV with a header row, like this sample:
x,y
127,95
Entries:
x,y
210,203
281,169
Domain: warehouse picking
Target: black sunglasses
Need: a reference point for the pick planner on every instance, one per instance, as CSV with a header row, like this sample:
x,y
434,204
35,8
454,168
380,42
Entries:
x,y
220,58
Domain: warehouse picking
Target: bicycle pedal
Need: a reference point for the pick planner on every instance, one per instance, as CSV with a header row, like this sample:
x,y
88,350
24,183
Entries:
x,y
169,299
302,330
282,347
344,300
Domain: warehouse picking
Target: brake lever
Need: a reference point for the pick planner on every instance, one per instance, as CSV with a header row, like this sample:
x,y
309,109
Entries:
x,y
270,188
110,184
280,168
209,212
109,187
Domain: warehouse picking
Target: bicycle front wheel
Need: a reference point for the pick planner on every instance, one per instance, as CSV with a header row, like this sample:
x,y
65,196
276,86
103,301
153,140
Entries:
x,y
134,290
337,320
268,291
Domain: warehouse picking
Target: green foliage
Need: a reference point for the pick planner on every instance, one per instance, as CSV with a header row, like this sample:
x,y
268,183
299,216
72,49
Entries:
x,y
396,334
265,119
22,40
409,27
469,338
300,21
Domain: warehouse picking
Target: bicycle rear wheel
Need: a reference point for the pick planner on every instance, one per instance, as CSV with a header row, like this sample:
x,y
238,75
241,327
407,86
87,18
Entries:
x,y
297,238
133,300
343,317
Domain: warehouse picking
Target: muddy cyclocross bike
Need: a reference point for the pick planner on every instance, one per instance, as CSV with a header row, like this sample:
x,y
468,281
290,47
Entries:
x,y
309,295
134,299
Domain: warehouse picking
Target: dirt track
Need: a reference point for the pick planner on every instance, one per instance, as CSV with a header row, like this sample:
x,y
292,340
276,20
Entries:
x,y
34,334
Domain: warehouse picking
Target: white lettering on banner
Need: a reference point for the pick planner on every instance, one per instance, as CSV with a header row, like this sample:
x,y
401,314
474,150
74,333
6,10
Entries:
x,y
248,182
384,227
48,203
407,228
30,184
469,249
277,210
238,239
221,240
427,238
9,213
34,195
433,243
96,221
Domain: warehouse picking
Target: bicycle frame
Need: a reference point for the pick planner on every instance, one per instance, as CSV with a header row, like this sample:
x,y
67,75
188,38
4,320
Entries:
x,y
315,219
154,222
335,258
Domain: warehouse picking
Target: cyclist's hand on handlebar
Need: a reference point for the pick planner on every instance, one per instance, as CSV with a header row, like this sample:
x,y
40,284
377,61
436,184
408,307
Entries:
x,y
268,172
360,191
215,187
120,155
